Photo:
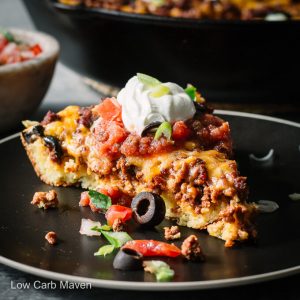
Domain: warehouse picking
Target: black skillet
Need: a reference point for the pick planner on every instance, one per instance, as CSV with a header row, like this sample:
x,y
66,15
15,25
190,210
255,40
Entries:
x,y
228,60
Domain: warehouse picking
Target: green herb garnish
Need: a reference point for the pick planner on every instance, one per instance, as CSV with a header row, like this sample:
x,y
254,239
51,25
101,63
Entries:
x,y
100,200
191,91
147,80
159,91
7,35
104,250
101,228
160,269
165,129
105,228
117,239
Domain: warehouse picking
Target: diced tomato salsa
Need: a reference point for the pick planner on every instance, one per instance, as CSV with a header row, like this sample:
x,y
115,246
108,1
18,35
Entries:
x,y
111,139
12,51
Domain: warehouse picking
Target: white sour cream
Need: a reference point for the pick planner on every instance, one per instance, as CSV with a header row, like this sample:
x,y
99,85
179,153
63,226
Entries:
x,y
140,109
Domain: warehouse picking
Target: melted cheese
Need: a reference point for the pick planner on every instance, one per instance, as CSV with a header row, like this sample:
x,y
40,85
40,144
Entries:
x,y
218,167
65,128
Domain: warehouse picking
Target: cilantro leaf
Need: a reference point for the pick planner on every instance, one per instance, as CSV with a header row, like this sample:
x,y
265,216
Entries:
x,y
100,200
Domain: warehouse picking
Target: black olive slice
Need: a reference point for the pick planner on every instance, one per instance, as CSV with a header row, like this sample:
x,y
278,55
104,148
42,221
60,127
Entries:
x,y
31,135
128,259
202,108
150,127
54,146
148,209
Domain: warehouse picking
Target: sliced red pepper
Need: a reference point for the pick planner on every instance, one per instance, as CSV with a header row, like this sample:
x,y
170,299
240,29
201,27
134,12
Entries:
x,y
118,212
153,248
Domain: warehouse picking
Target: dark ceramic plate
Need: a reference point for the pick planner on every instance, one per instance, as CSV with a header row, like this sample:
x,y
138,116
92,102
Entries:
x,y
275,254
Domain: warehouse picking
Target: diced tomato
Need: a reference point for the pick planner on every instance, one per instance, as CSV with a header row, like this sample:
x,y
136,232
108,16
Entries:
x,y
108,137
180,131
117,196
118,212
3,42
94,208
85,200
153,248
109,109
36,49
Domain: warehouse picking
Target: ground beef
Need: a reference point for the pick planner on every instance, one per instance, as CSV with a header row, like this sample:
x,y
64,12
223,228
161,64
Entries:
x,y
45,200
50,117
51,237
212,133
191,249
197,172
118,225
240,183
136,145
85,116
172,233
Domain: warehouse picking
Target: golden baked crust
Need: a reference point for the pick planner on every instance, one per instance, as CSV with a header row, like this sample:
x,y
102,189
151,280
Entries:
x,y
202,188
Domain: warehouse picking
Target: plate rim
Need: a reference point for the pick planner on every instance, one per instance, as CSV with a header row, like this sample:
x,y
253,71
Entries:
x,y
151,286
162,286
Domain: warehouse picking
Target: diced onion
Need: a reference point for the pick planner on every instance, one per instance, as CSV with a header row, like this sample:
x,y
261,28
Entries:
x,y
267,157
294,196
86,225
267,206
266,160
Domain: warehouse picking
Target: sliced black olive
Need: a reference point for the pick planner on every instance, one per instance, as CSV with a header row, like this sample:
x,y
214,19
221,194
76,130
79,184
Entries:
x,y
148,209
128,259
32,134
150,127
54,146
202,108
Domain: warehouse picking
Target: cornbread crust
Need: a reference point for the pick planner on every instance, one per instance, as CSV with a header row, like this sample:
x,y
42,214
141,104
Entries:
x,y
201,189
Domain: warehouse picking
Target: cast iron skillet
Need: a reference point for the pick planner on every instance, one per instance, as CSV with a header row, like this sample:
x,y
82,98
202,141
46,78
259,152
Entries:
x,y
227,60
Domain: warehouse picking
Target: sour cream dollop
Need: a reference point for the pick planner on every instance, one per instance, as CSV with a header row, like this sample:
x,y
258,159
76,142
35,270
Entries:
x,y
139,109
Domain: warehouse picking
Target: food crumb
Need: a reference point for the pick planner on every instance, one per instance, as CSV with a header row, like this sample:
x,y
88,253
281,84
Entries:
x,y
45,200
118,225
191,249
51,237
172,233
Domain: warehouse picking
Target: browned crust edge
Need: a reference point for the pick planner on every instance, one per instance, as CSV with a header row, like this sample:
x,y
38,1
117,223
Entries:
x,y
36,168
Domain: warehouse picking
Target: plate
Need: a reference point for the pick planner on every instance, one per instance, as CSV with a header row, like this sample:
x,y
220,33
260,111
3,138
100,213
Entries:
x,y
275,253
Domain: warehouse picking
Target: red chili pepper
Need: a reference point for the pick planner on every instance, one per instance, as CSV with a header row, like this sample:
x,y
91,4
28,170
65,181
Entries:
x,y
36,49
180,131
118,212
153,248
